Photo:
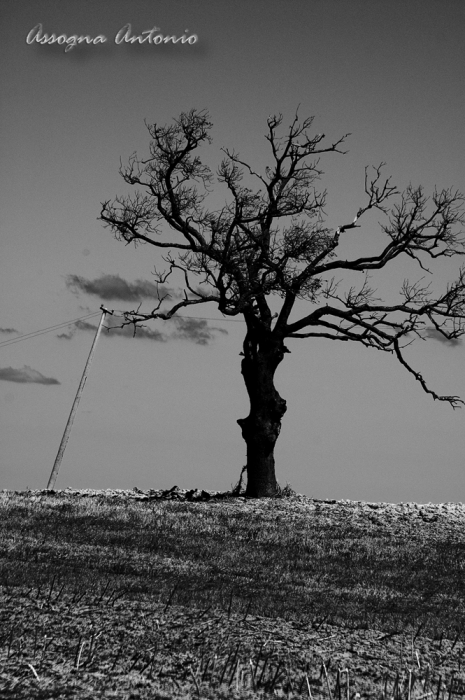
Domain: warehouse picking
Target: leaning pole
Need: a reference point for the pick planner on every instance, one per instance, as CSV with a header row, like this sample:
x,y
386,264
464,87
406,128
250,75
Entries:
x,y
69,424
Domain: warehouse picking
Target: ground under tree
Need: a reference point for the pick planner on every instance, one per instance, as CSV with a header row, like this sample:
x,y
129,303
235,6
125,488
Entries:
x,y
267,247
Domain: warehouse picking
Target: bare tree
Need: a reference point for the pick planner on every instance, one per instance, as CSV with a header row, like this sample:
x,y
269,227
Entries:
x,y
267,247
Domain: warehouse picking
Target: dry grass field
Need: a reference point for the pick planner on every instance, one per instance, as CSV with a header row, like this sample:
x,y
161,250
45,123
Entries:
x,y
150,595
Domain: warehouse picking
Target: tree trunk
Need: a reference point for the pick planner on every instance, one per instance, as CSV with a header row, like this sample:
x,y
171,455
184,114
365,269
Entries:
x,y
261,428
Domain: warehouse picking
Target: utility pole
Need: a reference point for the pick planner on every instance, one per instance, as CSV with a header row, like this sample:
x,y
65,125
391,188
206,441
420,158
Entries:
x,y
69,424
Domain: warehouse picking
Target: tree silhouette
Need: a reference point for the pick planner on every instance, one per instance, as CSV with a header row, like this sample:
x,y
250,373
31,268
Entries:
x,y
268,246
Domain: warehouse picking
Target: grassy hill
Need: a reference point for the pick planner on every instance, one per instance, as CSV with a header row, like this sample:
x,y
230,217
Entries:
x,y
130,595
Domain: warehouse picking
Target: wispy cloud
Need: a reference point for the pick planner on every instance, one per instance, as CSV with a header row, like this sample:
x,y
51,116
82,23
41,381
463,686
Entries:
x,y
433,334
115,330
192,329
115,287
66,336
196,330
78,326
26,375
8,330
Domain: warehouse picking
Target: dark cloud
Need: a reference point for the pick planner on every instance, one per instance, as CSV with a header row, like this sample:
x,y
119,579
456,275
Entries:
x,y
66,336
26,375
8,330
112,327
194,329
141,332
109,287
78,326
433,334
84,326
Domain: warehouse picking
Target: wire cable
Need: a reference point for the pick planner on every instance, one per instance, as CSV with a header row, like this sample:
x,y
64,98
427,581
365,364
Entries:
x,y
49,329
64,324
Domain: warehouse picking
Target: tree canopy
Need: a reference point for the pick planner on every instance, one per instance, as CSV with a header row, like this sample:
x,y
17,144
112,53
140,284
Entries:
x,y
269,239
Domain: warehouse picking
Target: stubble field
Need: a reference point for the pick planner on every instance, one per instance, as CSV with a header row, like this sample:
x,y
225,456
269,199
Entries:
x,y
175,594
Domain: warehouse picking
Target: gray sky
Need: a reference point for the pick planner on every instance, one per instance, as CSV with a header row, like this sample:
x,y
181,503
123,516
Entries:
x,y
161,409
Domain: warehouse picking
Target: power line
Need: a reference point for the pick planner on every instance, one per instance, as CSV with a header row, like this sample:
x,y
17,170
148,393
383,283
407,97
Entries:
x,y
49,329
